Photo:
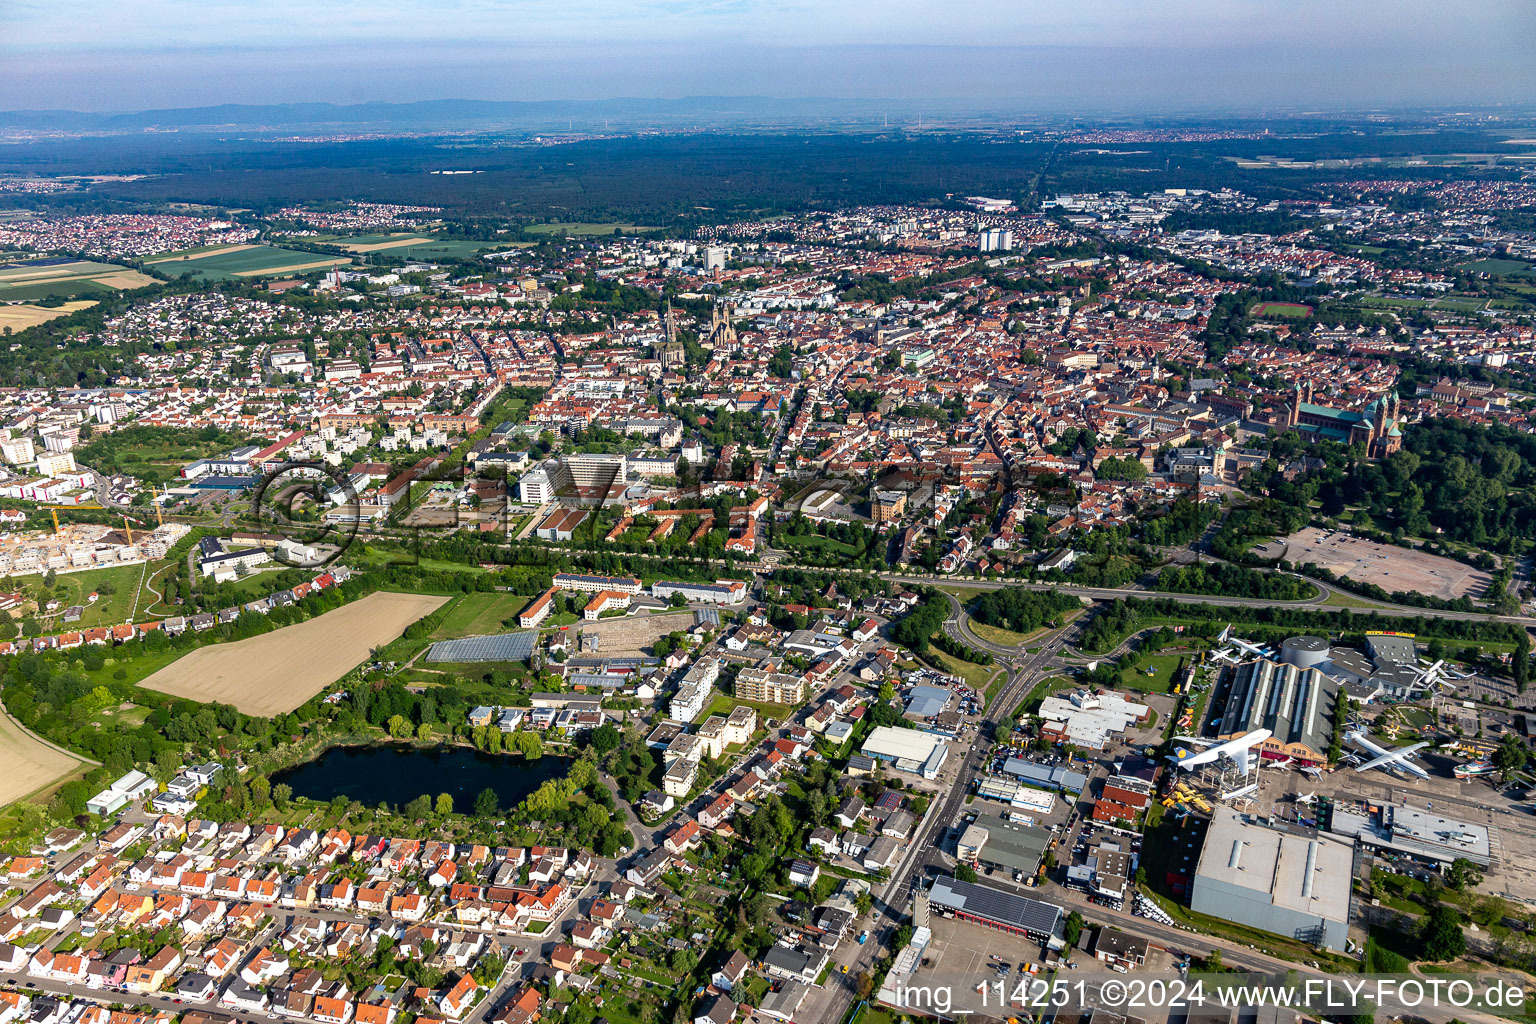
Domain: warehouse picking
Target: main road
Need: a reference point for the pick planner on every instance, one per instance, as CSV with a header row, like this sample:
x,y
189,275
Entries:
x,y
831,1001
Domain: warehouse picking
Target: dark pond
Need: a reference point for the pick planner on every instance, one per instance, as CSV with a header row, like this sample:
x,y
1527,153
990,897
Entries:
x,y
398,774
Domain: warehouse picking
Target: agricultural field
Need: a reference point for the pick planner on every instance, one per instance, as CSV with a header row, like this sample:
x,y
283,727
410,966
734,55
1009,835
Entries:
x,y
27,764
380,243
417,247
1285,309
276,672
20,317
28,282
481,613
230,262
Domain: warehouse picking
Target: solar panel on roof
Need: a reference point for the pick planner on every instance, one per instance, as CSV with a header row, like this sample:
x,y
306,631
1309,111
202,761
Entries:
x,y
995,905
496,647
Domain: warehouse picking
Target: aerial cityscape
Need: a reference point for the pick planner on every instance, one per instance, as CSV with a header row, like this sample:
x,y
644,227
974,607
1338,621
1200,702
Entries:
x,y
902,528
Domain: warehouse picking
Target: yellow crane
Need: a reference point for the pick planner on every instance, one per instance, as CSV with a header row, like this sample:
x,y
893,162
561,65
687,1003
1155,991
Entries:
x,y
54,511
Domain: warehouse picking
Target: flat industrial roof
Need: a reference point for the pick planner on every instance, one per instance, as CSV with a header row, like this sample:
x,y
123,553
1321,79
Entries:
x,y
901,744
995,905
1053,775
1307,874
1416,832
1011,845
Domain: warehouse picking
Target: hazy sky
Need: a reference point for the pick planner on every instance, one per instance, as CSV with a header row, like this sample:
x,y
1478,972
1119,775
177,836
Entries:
x,y
1031,54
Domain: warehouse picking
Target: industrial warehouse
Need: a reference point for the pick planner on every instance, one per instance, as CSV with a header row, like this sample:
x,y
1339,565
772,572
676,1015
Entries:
x,y
1294,698
908,750
994,908
1267,877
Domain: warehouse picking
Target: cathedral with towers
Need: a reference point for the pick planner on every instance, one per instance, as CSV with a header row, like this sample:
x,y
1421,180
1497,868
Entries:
x,y
1377,426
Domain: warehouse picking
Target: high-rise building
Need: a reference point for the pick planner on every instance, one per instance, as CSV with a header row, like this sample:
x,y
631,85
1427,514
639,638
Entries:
x,y
995,240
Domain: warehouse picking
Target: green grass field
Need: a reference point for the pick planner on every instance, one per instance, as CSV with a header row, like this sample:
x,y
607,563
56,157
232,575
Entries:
x,y
585,228
1284,309
257,261
816,542
1162,668
481,613
723,705
74,587
1504,268
1006,637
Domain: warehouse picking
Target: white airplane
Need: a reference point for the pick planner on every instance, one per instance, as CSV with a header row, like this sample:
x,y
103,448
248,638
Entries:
x,y
1390,760
1238,750
1311,770
1225,654
1253,649
1306,798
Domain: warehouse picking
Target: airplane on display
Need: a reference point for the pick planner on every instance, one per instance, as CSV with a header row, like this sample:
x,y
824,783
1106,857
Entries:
x,y
1306,798
1225,654
1239,750
1310,770
1253,649
1436,675
1395,761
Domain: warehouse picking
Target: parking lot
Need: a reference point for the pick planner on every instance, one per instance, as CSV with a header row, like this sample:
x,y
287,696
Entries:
x,y
963,956
1387,566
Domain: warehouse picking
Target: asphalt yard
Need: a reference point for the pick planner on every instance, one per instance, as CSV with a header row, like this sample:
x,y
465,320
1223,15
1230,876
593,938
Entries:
x,y
1389,567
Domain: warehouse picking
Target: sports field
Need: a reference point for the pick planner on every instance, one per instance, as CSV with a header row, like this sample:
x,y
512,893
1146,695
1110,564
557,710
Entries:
x,y
1391,568
27,764
228,262
29,282
19,318
276,672
1295,309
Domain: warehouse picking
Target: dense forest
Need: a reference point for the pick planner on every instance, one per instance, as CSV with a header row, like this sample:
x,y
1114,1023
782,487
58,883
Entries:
x,y
1220,578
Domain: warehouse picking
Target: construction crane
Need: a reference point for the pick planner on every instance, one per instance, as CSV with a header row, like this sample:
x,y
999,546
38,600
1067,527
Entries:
x,y
54,511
